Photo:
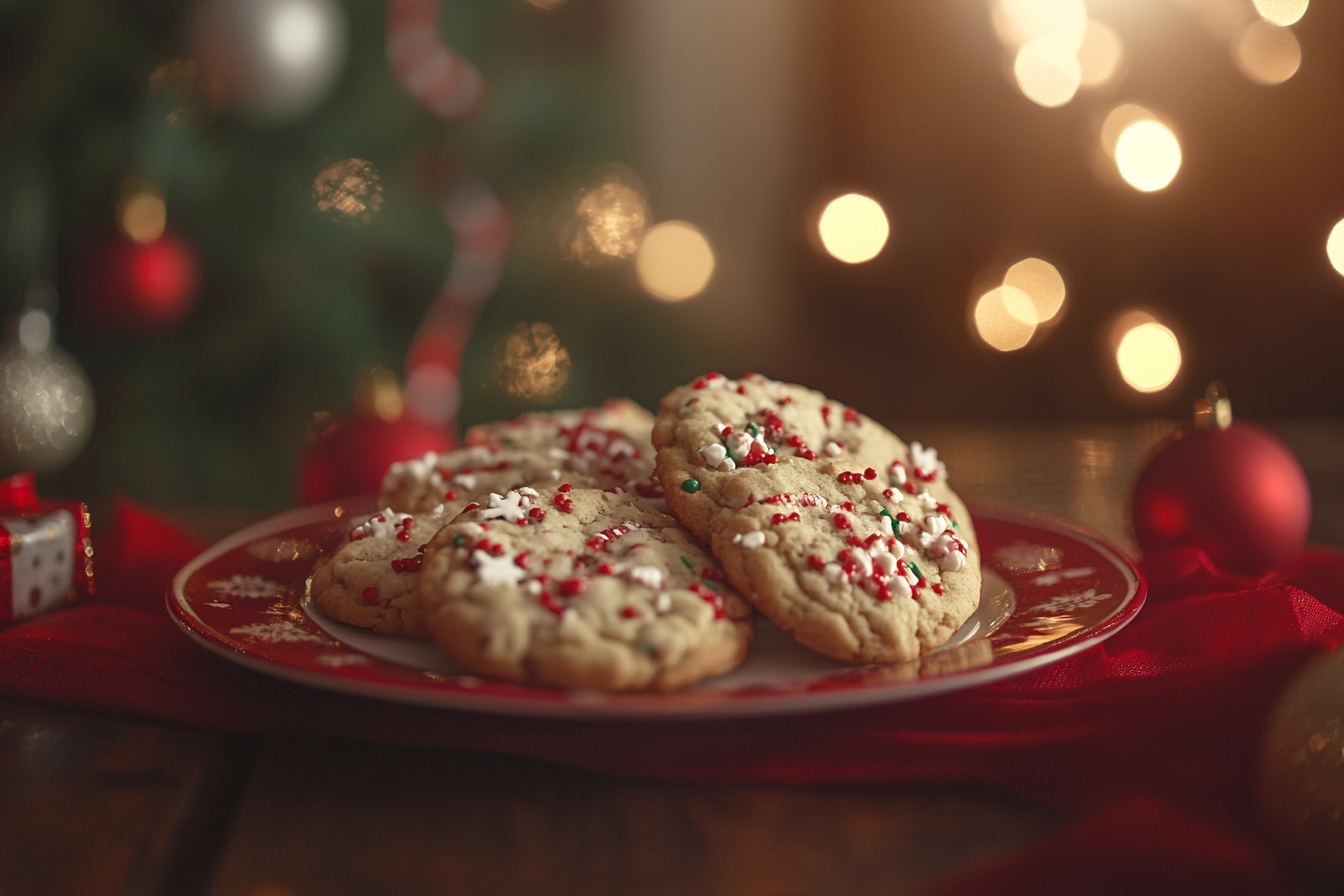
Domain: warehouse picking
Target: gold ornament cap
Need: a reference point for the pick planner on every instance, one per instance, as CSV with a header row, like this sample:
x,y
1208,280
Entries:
x,y
1214,410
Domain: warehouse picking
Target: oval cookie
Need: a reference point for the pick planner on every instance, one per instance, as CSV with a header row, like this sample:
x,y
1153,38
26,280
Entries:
x,y
372,580
581,588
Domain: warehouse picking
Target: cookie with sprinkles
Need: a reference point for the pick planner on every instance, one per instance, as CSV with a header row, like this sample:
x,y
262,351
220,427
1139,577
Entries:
x,y
578,588
580,454
372,580
541,428
738,465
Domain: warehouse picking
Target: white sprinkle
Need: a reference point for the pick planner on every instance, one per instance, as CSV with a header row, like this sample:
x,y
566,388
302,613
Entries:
x,y
472,529
530,492
954,561
719,428
899,587
650,576
887,563
492,570
833,449
753,539
714,454
935,524
662,603
557,453
466,480
833,572
532,588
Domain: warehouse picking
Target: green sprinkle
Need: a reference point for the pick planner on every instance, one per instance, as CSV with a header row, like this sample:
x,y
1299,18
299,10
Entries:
x,y
712,586
690,486
751,428
646,649
918,574
687,562
458,540
954,524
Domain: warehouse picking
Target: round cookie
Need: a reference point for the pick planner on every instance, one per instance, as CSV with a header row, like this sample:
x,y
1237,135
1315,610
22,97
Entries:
x,y
581,454
372,580
540,429
853,567
730,451
581,588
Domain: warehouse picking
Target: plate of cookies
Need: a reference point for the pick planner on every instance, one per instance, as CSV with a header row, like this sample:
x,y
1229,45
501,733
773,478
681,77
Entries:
x,y
754,548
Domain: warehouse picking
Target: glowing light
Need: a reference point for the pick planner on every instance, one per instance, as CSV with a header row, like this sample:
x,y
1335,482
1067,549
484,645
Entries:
x,y
144,216
1148,355
1039,283
1099,54
348,190
1281,12
1047,72
1019,22
296,34
853,228
1120,118
608,222
1334,247
1148,155
675,261
530,363
378,394
1267,54
1000,318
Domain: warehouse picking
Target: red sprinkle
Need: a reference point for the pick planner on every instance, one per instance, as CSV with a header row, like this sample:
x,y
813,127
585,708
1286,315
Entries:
x,y
629,612
903,517
397,564
938,588
370,593
855,541
943,508
870,473
841,521
563,503
826,414
699,384
537,514
909,488
521,559
848,506
883,592
741,390
851,415
888,493
606,569
571,587
815,562
566,487
710,574
549,602
450,496
404,535
472,506
868,542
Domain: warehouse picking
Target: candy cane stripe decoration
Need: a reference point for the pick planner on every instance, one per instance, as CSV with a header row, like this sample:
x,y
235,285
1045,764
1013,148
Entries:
x,y
439,78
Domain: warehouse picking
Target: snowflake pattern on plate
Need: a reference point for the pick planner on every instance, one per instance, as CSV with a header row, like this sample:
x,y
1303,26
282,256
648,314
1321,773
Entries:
x,y
247,586
1021,557
277,632
1054,578
1064,603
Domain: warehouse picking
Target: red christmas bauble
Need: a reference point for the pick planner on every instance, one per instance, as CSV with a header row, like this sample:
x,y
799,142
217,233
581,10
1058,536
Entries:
x,y
130,287
351,457
1238,494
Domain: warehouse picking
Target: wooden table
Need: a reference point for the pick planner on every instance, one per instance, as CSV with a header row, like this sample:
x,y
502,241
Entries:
x,y
97,804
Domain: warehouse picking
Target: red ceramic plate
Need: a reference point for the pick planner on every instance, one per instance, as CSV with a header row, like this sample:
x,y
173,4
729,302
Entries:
x,y
1050,590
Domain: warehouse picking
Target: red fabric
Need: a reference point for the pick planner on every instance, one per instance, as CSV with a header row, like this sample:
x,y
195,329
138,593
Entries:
x,y
1166,712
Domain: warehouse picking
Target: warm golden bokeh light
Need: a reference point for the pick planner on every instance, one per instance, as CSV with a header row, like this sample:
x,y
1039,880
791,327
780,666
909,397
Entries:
x,y
608,222
1281,12
530,363
1040,284
1148,355
1047,72
1267,54
348,190
1019,22
1147,155
675,261
1334,247
1002,318
1099,54
853,228
144,216
1117,120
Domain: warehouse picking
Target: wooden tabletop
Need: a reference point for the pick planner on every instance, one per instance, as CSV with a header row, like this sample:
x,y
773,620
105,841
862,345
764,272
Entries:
x,y
96,804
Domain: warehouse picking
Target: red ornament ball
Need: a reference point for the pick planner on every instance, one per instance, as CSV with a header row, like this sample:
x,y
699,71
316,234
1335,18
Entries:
x,y
139,288
1238,494
352,456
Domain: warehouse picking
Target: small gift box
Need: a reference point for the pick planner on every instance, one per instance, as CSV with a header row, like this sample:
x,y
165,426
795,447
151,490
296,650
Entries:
x,y
46,556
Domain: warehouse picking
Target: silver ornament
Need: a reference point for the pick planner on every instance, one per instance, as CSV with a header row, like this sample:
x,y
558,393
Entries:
x,y
272,59
46,405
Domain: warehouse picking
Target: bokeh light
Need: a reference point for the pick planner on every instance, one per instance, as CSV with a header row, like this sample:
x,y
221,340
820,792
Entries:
x,y
853,228
1267,54
608,222
675,261
1042,286
143,216
177,84
1099,54
1019,22
1334,247
1117,120
1147,155
1047,72
1147,352
1004,318
530,363
348,190
1281,12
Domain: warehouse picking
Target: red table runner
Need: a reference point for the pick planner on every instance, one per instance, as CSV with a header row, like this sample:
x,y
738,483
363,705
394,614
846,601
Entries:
x,y
1147,737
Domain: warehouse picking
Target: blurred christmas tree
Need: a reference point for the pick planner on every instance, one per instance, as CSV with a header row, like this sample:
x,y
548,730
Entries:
x,y
294,228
